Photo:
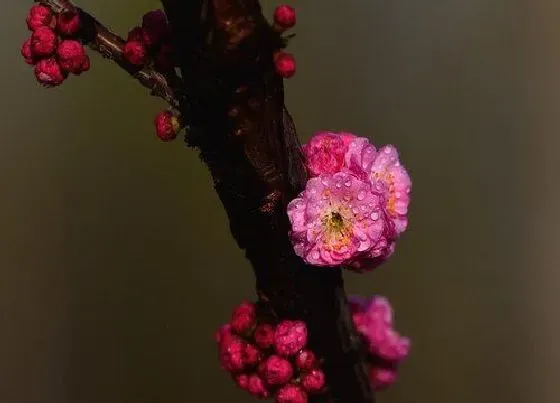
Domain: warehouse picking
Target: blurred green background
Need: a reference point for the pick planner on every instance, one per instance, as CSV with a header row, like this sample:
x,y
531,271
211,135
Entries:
x,y
116,264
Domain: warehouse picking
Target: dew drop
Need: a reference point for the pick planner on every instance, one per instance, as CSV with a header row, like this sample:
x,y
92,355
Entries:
x,y
374,216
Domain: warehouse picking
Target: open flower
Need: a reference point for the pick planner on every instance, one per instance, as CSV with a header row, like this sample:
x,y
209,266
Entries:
x,y
336,219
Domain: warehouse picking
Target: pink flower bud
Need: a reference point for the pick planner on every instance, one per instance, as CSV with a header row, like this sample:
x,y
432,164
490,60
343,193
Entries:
x,y
71,55
27,53
264,336
285,16
291,394
305,360
43,42
285,64
257,387
49,73
314,381
135,53
40,16
251,355
290,337
68,24
243,318
277,370
231,354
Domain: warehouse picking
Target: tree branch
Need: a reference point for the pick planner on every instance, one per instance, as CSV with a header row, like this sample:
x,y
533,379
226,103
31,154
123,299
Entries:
x,y
247,139
110,45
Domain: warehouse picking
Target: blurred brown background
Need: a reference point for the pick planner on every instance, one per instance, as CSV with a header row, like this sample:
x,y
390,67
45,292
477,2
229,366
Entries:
x,y
116,264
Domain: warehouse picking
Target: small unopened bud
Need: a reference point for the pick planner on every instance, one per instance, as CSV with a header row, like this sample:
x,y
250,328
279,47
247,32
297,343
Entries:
x,y
43,42
40,16
27,53
68,24
49,73
71,55
284,17
285,64
135,53
167,126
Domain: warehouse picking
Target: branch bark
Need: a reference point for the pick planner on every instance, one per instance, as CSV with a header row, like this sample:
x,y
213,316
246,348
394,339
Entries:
x,y
248,140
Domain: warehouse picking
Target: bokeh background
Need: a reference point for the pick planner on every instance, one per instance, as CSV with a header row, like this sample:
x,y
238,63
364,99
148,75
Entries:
x,y
116,264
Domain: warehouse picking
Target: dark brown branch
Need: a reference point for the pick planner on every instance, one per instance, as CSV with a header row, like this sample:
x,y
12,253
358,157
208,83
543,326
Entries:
x,y
247,138
110,45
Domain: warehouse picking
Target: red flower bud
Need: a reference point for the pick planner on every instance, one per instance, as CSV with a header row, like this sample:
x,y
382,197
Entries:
x,y
305,360
243,318
167,126
231,354
155,27
290,337
264,336
27,53
291,394
68,24
313,381
136,34
135,53
71,55
251,355
40,16
49,73
43,42
285,64
285,16
257,387
277,370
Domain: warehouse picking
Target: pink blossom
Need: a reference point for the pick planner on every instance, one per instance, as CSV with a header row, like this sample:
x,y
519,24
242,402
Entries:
x,y
257,387
290,337
382,378
336,219
276,370
324,153
314,381
243,318
291,394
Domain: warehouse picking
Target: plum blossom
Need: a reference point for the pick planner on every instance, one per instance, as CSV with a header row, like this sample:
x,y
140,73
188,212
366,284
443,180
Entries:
x,y
335,219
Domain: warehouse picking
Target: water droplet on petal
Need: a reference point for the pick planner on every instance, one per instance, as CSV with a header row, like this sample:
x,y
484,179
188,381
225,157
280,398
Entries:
x,y
374,216
361,195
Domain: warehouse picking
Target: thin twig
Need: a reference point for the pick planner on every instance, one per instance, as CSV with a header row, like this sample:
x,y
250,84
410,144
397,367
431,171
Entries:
x,y
110,45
